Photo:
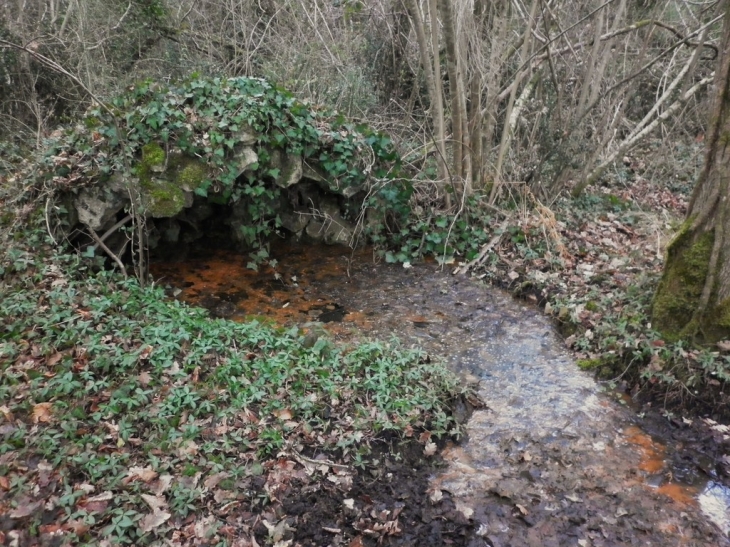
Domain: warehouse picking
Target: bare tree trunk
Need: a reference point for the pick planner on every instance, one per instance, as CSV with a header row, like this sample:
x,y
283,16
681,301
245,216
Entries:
x,y
508,127
456,90
693,297
433,84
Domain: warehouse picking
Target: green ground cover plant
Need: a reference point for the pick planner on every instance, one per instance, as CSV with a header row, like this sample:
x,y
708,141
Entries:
x,y
124,413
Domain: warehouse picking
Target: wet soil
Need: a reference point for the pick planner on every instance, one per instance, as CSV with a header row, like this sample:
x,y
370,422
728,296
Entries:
x,y
552,460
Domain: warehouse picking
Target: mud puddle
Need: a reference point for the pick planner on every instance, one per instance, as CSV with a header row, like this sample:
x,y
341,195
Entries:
x,y
553,460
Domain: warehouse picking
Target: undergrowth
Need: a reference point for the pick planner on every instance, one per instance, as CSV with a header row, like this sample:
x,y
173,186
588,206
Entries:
x,y
124,412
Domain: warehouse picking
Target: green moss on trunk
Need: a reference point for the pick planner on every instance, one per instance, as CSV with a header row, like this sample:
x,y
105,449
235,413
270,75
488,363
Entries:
x,y
680,289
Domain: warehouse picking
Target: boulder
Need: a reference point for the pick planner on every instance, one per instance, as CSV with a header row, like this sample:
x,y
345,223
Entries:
x,y
97,206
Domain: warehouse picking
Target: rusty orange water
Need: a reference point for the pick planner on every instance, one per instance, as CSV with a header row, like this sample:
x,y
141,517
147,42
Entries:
x,y
653,462
652,453
680,493
285,293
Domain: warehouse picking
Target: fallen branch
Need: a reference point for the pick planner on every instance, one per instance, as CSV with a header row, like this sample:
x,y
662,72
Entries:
x,y
113,229
303,459
477,261
108,251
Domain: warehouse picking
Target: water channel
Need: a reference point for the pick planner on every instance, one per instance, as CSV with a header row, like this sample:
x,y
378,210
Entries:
x,y
553,459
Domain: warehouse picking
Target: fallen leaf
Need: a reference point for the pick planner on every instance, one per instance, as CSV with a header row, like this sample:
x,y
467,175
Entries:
x,y
155,502
213,480
187,448
42,413
78,527
145,474
153,520
50,529
276,532
144,378
145,353
205,527
25,510
430,449
5,411
162,484
464,509
435,495
349,503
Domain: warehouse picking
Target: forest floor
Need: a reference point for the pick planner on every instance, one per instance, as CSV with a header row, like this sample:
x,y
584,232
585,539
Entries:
x,y
127,418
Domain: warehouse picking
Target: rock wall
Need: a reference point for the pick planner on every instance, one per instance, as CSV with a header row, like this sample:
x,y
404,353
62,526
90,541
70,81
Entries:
x,y
306,204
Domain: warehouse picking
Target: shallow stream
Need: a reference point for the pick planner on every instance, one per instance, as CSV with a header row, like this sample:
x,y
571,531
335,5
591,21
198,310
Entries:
x,y
553,459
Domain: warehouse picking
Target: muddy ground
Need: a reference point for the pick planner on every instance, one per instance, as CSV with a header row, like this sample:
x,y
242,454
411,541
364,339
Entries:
x,y
394,501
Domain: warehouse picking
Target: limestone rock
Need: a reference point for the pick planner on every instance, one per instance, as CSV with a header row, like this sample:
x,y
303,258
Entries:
x,y
247,136
245,159
98,205
162,199
294,221
338,231
289,168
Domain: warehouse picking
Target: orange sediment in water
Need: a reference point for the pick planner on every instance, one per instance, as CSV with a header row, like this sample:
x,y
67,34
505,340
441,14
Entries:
x,y
652,453
286,294
653,462
678,492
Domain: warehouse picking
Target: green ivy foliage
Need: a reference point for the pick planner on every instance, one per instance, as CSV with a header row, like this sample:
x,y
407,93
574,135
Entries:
x,y
211,119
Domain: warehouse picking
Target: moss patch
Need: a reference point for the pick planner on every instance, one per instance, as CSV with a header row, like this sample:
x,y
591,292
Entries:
x,y
187,173
152,154
163,199
681,286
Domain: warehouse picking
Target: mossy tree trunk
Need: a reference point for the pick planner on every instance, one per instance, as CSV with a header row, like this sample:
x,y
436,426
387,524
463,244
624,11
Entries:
x,y
693,298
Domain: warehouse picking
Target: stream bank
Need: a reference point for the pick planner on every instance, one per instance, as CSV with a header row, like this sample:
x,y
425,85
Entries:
x,y
552,460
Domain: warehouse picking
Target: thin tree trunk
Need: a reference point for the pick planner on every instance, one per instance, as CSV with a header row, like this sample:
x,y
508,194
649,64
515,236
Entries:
x,y
456,89
437,112
508,127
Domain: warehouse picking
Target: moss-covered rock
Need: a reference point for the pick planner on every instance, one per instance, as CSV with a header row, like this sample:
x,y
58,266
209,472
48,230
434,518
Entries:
x,y
163,199
165,179
187,173
153,157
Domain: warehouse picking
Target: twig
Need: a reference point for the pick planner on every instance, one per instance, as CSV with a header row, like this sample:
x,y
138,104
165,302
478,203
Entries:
x,y
329,463
113,229
48,222
108,251
484,250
